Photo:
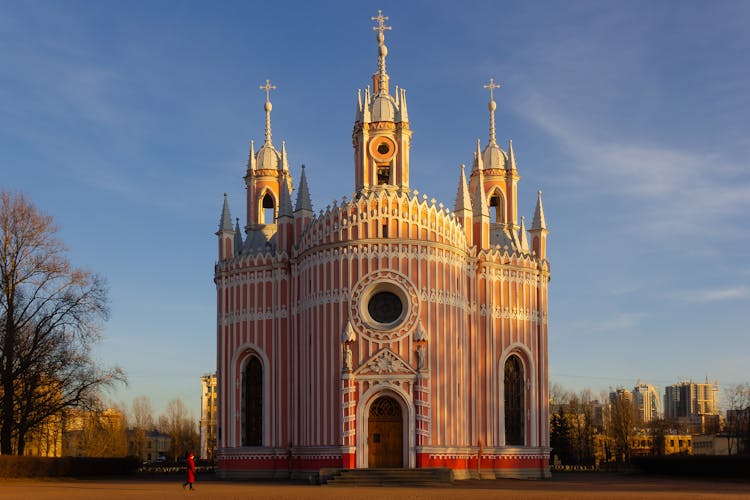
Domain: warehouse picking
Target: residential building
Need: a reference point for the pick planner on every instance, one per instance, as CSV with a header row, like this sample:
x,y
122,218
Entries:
x,y
208,417
693,405
648,401
387,330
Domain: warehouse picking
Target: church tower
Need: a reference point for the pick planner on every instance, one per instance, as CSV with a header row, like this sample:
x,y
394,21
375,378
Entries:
x,y
266,177
381,136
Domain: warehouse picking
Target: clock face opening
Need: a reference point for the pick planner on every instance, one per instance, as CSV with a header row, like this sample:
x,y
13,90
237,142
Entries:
x,y
383,148
385,307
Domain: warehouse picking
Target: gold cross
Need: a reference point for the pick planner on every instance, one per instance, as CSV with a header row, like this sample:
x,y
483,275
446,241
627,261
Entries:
x,y
492,86
268,88
381,19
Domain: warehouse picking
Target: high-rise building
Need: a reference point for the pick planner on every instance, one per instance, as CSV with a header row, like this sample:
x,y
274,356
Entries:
x,y
387,330
648,401
688,399
208,417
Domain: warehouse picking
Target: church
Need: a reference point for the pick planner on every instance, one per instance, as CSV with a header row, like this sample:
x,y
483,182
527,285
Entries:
x,y
387,331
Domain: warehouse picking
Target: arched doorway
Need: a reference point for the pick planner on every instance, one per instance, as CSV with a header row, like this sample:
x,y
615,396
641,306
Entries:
x,y
385,434
252,403
514,402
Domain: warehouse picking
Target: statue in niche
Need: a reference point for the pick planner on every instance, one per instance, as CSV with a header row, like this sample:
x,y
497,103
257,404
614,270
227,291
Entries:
x,y
421,357
347,358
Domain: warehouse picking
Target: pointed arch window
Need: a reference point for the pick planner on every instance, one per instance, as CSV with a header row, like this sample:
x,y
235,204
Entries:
x,y
497,208
252,403
268,213
514,401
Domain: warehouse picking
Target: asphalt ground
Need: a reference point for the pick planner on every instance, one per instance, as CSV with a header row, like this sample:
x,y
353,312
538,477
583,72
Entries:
x,y
561,486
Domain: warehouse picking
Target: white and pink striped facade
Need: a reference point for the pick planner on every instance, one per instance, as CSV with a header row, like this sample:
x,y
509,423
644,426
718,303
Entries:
x,y
389,298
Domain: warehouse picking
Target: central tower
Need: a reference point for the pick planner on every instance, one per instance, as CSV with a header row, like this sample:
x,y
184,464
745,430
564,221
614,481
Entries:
x,y
381,136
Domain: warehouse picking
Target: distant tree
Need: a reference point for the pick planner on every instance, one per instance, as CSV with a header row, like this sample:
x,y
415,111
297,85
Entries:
x,y
737,401
181,428
50,316
560,435
623,419
581,414
142,424
658,429
104,433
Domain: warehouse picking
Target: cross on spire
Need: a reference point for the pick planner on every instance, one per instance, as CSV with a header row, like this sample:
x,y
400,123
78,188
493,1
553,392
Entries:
x,y
492,86
381,19
268,88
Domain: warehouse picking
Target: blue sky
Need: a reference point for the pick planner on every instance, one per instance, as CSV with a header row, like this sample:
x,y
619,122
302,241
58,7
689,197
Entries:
x,y
127,121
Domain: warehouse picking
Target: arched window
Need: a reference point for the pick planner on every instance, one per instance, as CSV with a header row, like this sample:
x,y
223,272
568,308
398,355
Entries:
x,y
497,208
268,210
252,403
514,401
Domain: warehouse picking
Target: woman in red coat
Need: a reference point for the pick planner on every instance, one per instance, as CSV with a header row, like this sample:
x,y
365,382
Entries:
x,y
190,471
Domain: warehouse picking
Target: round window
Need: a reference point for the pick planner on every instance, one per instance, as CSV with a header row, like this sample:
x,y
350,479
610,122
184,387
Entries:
x,y
385,307
383,148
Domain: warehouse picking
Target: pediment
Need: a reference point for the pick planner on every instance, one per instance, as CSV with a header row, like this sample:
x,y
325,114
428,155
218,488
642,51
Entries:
x,y
385,362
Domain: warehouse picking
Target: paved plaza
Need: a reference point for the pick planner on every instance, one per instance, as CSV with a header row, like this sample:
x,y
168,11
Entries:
x,y
566,485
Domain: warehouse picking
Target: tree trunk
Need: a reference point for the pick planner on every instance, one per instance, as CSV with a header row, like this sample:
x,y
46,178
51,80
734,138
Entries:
x,y
6,413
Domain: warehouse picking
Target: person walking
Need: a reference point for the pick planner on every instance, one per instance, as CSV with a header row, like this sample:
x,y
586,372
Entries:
x,y
190,479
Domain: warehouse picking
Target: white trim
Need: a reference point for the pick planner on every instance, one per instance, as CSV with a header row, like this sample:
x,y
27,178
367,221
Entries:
x,y
409,428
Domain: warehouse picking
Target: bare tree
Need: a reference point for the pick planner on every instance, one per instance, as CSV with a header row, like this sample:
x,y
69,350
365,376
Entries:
x,y
103,433
50,316
623,419
181,428
143,422
737,401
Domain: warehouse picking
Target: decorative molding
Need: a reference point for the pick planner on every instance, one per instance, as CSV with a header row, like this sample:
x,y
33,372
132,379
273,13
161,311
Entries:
x,y
348,335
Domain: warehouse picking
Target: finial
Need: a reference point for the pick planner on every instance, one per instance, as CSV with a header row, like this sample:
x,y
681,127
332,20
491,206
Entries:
x,y
268,107
382,51
492,106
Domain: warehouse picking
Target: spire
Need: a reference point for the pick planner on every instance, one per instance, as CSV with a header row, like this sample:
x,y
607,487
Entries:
x,y
285,201
479,206
492,106
303,194
237,238
251,157
478,161
539,222
522,235
382,75
284,158
268,107
358,111
511,156
463,200
402,106
225,224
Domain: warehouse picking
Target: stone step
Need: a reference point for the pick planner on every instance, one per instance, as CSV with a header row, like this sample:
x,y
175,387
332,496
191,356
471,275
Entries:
x,y
386,477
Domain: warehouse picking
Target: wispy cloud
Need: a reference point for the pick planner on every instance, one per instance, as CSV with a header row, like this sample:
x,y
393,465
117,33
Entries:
x,y
714,294
674,191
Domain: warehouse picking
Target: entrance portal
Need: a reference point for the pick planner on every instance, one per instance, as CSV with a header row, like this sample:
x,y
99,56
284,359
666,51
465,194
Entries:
x,y
385,434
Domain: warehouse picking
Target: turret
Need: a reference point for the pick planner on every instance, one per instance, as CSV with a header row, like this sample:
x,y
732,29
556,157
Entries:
x,y
225,232
539,230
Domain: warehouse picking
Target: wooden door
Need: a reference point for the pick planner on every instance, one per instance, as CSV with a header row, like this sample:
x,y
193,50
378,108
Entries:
x,y
385,436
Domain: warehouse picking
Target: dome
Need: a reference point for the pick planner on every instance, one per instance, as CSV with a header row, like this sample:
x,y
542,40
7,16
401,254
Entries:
x,y
383,108
268,157
494,157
